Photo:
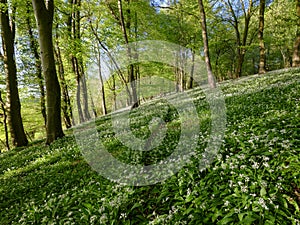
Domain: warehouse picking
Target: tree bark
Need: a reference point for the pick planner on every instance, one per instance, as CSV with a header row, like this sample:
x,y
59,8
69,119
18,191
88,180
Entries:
x,y
191,78
44,16
211,79
104,109
15,122
296,54
4,122
241,39
37,58
77,61
262,54
66,105
131,74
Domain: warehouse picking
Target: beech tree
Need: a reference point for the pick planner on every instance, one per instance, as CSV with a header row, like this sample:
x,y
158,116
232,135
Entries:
x,y
66,104
15,122
74,32
44,16
125,27
211,80
37,62
237,11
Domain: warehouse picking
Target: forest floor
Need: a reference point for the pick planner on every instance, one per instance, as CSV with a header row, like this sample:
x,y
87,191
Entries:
x,y
254,178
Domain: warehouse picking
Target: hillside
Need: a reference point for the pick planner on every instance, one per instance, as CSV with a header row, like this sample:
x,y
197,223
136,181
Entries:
x,y
254,179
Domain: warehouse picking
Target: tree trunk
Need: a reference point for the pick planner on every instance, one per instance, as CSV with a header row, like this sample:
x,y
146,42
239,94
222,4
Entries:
x,y
77,61
241,47
110,55
131,74
211,79
262,54
17,132
104,110
191,78
37,58
296,54
66,105
44,17
286,56
241,40
4,121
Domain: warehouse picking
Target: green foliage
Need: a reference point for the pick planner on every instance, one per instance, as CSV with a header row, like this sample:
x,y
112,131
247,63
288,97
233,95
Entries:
x,y
253,180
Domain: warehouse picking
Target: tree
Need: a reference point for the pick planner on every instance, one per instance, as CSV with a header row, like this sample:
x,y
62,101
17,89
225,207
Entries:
x,y
104,109
44,16
262,55
2,104
296,54
66,105
280,33
211,80
15,122
74,32
37,59
131,72
239,10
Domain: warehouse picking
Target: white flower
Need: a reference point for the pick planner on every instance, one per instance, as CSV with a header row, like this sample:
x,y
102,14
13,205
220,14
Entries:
x,y
243,167
103,218
255,165
123,215
261,201
237,211
266,164
264,183
244,189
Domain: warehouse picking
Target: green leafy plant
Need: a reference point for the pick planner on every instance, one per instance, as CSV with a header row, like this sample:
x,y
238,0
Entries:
x,y
254,179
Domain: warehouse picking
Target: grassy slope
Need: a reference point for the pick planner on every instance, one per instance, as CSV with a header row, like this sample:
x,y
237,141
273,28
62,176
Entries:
x,y
254,180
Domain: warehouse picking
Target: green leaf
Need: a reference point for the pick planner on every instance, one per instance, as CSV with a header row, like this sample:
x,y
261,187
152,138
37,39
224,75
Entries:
x,y
136,205
241,216
263,192
249,219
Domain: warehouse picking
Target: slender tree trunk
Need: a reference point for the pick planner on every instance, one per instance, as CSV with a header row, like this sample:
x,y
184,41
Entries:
x,y
177,72
191,79
296,54
211,79
237,64
17,132
242,51
93,107
122,77
286,56
241,40
78,101
104,110
39,75
66,104
131,74
44,16
4,121
77,61
262,54
114,91
182,64
217,74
